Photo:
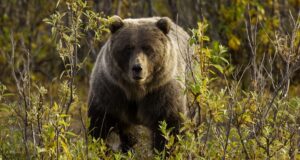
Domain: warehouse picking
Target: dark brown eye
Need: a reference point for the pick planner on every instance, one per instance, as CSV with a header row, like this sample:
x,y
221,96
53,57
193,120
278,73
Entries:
x,y
148,49
128,49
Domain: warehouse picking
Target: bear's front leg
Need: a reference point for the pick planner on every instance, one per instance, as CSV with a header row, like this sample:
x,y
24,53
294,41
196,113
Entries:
x,y
159,141
101,108
164,104
101,123
127,136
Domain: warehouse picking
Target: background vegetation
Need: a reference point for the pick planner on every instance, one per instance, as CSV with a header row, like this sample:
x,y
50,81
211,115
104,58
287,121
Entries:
x,y
244,89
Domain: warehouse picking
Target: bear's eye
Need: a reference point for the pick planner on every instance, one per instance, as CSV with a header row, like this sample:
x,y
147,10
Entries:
x,y
128,49
148,49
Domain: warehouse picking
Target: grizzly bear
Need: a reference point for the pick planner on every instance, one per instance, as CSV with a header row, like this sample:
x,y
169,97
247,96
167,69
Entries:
x,y
138,79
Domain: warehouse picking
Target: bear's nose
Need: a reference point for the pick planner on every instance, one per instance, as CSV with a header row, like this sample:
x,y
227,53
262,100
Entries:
x,y
137,68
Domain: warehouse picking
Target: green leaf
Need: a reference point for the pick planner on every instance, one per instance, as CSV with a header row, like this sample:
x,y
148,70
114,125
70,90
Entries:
x,y
71,133
170,143
218,67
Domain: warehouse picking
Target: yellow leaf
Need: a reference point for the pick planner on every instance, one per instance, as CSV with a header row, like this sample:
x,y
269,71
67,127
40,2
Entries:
x,y
253,108
65,148
234,43
246,119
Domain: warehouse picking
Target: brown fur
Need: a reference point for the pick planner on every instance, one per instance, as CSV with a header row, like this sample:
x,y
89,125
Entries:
x,y
118,100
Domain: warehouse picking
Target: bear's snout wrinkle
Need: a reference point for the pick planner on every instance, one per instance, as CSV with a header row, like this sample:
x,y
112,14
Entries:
x,y
137,67
136,72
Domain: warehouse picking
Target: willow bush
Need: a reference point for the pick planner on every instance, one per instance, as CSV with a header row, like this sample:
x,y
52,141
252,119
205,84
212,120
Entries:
x,y
226,120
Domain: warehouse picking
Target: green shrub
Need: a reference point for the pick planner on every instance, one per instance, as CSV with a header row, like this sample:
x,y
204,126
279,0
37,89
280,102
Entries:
x,y
226,121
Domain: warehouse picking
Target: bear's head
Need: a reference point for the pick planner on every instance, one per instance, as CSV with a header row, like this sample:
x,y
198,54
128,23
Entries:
x,y
140,51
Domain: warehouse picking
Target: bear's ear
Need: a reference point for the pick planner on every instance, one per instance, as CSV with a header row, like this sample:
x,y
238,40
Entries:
x,y
115,23
164,24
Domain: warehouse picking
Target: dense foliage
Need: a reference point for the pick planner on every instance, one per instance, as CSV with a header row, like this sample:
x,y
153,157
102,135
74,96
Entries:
x,y
243,86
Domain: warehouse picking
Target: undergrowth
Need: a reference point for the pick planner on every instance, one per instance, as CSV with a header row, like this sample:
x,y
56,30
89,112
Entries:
x,y
225,120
